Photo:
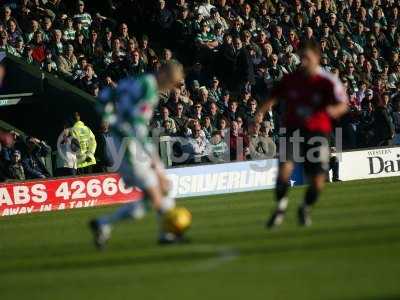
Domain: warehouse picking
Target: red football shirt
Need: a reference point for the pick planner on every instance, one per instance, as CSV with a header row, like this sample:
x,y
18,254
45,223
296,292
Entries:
x,y
305,99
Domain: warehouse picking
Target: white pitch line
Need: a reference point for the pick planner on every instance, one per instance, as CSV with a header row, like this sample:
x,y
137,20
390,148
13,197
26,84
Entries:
x,y
223,255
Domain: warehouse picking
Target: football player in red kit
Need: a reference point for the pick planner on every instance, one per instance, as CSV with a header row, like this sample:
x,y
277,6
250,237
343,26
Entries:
x,y
309,99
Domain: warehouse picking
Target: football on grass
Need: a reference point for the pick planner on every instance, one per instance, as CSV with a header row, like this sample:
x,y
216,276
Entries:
x,y
177,220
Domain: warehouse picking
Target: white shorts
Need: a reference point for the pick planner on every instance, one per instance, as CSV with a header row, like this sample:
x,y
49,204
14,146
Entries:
x,y
136,167
136,170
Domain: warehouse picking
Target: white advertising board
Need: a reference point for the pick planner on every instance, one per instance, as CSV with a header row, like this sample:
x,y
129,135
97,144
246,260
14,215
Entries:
x,y
367,164
223,178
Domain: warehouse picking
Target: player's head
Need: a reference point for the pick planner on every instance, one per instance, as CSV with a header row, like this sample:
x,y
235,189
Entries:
x,y
310,57
169,75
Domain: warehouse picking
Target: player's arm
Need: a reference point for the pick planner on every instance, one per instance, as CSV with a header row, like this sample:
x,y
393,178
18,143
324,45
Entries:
x,y
159,168
337,110
340,101
141,136
272,96
141,128
264,107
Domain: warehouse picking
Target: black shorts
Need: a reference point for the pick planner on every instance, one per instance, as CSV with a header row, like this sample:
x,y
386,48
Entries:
x,y
310,148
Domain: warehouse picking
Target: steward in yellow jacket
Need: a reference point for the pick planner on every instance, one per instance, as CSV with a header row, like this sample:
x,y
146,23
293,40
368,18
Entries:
x,y
87,143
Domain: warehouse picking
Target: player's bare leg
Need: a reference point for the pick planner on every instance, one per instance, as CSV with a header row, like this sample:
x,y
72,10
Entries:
x,y
162,203
102,227
161,200
281,191
311,197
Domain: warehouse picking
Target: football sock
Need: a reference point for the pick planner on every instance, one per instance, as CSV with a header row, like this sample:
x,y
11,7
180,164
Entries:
x,y
168,203
281,190
311,196
335,169
134,210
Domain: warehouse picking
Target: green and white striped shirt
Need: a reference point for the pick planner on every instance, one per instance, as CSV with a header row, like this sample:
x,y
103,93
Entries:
x,y
69,34
85,18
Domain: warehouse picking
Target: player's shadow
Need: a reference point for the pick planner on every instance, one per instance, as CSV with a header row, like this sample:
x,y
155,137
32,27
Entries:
x,y
279,234
191,255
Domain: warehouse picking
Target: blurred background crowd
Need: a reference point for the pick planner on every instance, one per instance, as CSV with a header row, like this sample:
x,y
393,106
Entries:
x,y
230,49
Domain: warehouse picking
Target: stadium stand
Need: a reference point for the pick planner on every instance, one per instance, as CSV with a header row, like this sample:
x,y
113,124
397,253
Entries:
x,y
64,52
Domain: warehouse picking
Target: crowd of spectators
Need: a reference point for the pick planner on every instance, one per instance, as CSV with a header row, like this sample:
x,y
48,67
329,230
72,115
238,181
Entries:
x,y
22,157
79,151
230,50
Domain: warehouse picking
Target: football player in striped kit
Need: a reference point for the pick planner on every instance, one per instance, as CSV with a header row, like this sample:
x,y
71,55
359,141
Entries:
x,y
129,109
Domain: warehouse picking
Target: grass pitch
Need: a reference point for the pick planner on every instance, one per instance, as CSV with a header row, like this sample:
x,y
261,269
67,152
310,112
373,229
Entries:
x,y
352,252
